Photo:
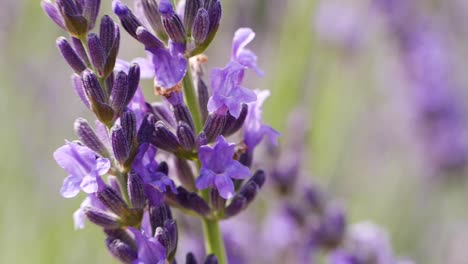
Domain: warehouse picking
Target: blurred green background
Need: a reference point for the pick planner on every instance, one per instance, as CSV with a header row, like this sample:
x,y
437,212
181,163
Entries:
x,y
361,143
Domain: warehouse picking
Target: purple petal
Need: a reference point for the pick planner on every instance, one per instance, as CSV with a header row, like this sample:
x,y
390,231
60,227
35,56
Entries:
x,y
218,157
70,187
79,216
149,249
242,37
169,69
247,58
76,160
89,184
237,171
206,179
102,166
225,186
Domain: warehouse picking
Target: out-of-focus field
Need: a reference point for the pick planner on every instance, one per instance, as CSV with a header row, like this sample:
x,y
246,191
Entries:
x,y
362,144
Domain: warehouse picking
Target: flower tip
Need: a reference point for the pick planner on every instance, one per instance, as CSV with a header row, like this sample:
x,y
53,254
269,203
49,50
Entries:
x,y
119,8
165,7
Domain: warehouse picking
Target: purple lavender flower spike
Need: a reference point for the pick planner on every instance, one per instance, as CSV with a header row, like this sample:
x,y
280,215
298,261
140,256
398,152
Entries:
x,y
240,54
254,129
53,13
218,167
83,166
228,93
150,251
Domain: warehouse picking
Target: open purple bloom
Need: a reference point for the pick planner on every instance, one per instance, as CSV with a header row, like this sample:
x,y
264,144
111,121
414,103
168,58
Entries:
x,y
150,251
254,129
218,167
156,182
240,54
83,166
170,65
228,94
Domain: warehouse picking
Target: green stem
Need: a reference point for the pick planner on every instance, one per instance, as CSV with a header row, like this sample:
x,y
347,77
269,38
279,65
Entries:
x,y
214,243
191,99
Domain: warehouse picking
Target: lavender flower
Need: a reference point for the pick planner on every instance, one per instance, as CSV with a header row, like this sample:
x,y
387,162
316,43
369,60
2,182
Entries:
x,y
156,182
226,83
83,166
219,168
150,251
254,129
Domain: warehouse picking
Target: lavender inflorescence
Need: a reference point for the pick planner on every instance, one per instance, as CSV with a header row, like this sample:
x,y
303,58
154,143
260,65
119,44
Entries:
x,y
129,194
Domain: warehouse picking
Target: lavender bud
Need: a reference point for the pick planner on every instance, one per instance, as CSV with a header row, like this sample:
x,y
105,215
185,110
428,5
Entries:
x,y
258,178
91,11
53,13
107,33
211,259
164,138
185,174
92,87
127,18
112,54
214,126
133,81
96,52
314,199
182,113
102,218
190,259
70,55
112,200
149,40
75,23
110,83
233,124
171,21
115,184
203,97
89,138
158,215
128,123
246,158
150,8
136,190
249,191
79,89
238,203
215,12
161,113
191,8
80,50
201,139
119,92
96,97
186,136
170,226
119,144
120,250
191,200
214,15
146,130
201,26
